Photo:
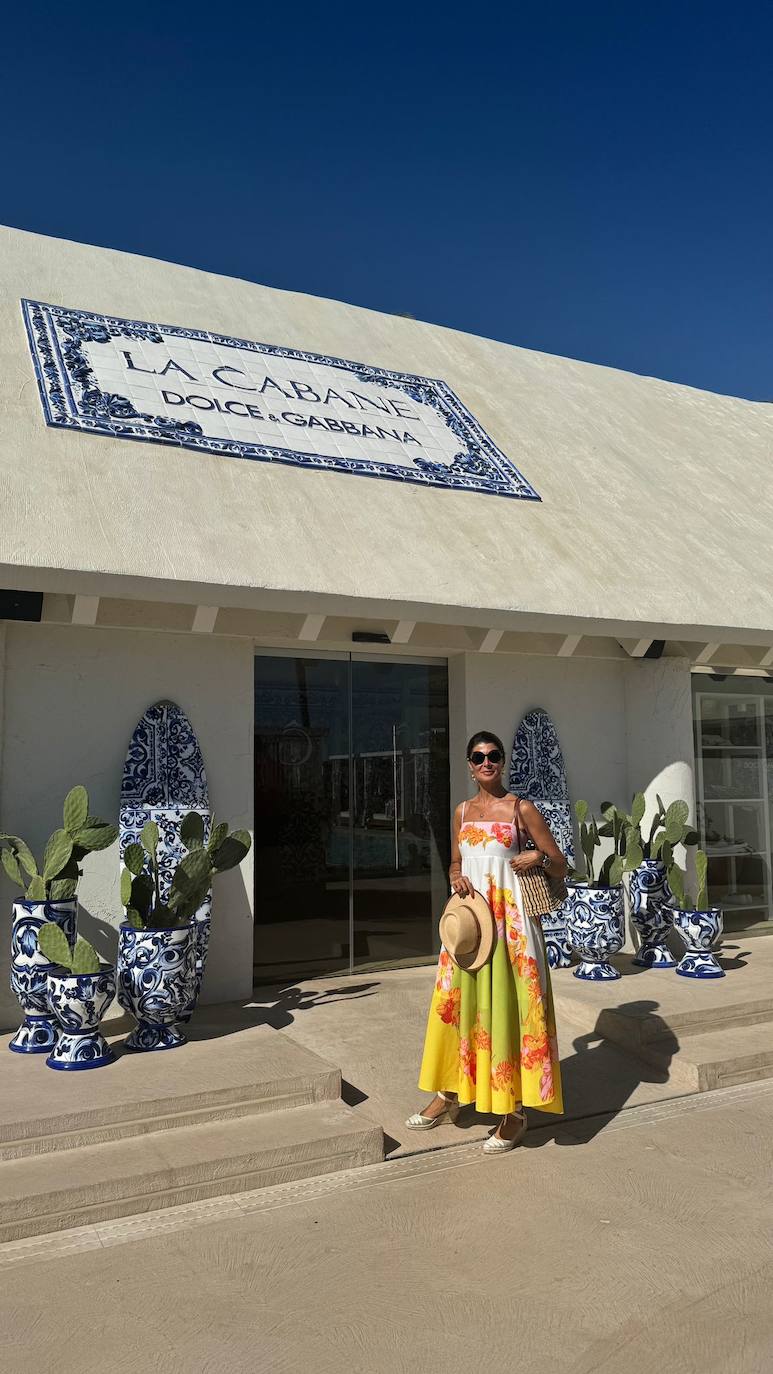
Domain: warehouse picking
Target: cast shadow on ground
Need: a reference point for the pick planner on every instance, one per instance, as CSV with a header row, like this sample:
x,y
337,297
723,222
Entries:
x,y
600,1077
276,1007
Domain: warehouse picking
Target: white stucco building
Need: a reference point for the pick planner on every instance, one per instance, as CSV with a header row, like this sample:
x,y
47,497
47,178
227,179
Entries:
x,y
259,534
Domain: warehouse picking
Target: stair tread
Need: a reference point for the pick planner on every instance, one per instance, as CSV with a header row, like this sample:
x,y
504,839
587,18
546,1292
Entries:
x,y
726,1043
225,1061
164,1158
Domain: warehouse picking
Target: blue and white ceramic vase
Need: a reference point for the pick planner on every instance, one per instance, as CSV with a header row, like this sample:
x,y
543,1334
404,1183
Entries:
x,y
596,925
651,914
201,924
79,1001
556,936
30,968
699,930
156,979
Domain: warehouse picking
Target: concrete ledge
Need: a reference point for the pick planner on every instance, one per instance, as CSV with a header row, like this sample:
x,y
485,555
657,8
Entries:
x,y
40,1194
220,1075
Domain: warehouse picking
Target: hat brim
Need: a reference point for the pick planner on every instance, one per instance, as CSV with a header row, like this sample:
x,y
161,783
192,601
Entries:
x,y
484,917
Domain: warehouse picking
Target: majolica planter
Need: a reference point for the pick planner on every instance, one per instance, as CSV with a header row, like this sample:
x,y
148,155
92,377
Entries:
x,y
30,968
556,936
652,914
699,930
79,1001
156,979
201,925
596,925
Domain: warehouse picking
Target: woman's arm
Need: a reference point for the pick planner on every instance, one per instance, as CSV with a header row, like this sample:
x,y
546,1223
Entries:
x,y
459,884
539,830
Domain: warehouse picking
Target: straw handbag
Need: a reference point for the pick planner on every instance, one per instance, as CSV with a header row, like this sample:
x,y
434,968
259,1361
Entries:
x,y
541,892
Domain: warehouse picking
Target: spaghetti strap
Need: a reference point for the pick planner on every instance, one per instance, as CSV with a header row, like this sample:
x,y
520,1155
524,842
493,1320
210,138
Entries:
x,y
464,807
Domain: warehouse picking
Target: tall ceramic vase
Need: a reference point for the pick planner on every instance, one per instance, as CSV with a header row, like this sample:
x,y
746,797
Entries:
x,y
556,936
699,930
156,978
79,1001
30,968
651,914
201,925
596,925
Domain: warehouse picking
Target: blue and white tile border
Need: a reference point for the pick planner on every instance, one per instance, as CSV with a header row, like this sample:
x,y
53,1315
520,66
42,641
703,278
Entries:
x,y
72,399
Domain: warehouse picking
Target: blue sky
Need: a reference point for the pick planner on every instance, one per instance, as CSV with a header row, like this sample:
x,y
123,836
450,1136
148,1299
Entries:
x,y
592,180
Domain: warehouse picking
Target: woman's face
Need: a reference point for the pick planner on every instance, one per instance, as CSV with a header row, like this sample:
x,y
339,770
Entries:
x,y
486,762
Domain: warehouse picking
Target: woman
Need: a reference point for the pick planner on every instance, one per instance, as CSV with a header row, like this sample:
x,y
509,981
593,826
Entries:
x,y
491,1036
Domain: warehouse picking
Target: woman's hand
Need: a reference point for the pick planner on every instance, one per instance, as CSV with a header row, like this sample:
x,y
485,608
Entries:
x,y
529,859
462,887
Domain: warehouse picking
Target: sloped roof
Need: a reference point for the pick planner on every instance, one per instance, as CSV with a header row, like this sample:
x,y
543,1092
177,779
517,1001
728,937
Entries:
x,y
656,499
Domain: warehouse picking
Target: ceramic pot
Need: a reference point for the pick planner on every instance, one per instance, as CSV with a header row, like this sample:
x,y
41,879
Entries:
x,y
155,983
556,936
596,925
30,968
79,1001
651,914
698,930
201,923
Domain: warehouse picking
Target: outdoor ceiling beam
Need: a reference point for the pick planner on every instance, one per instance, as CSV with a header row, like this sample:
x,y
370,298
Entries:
x,y
84,610
311,627
490,641
707,652
204,619
403,631
569,645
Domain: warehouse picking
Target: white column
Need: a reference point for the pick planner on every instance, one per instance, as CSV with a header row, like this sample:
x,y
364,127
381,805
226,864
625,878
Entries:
x,y
659,731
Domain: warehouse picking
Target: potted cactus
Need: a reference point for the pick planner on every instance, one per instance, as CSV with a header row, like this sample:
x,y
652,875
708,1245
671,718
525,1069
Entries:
x,y
80,990
157,976
697,924
50,895
594,907
649,892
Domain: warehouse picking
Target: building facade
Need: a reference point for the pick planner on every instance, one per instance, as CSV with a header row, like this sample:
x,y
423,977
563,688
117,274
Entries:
x,y
342,542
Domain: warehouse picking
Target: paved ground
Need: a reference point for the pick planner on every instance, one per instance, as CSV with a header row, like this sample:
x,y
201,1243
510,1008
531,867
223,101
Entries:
x,y
640,1243
372,1026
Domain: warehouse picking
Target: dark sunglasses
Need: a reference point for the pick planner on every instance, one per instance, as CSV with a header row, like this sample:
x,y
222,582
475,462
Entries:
x,y
478,757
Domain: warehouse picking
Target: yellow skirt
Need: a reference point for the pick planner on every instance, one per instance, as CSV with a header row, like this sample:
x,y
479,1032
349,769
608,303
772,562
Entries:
x,y
491,1035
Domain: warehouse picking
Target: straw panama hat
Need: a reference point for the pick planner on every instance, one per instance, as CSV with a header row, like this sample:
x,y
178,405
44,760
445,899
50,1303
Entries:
x,y
468,931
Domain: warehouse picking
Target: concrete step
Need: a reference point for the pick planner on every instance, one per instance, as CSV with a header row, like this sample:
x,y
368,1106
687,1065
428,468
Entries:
x,y
217,1077
637,1023
44,1193
717,1059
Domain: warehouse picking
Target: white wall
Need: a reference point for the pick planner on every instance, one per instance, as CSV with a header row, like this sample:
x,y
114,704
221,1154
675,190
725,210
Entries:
x,y
72,697
585,697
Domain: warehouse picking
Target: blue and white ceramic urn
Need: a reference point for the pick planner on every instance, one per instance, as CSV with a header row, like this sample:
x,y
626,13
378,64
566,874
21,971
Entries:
x,y
651,914
156,980
699,930
556,936
201,924
79,1001
30,968
596,925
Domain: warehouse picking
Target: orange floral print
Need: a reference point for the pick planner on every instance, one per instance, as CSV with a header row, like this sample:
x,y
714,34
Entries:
x,y
480,1036
502,1075
474,834
449,1006
445,972
534,1050
467,1059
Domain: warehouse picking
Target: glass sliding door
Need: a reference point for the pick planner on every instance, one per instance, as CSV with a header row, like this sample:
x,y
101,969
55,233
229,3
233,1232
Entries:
x,y
401,826
302,915
351,812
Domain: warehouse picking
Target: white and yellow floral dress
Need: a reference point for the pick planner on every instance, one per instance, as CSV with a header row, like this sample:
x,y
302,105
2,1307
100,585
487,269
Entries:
x,y
491,1035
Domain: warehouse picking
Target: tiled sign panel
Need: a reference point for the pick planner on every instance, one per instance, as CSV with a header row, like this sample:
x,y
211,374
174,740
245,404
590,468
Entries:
x,y
166,384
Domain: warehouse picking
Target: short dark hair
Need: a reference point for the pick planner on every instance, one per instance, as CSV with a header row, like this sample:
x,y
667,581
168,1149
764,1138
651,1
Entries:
x,y
485,737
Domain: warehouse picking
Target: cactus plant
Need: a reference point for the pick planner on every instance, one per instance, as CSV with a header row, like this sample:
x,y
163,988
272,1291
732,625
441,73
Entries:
x,y
54,944
191,880
668,827
626,852
678,882
56,878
